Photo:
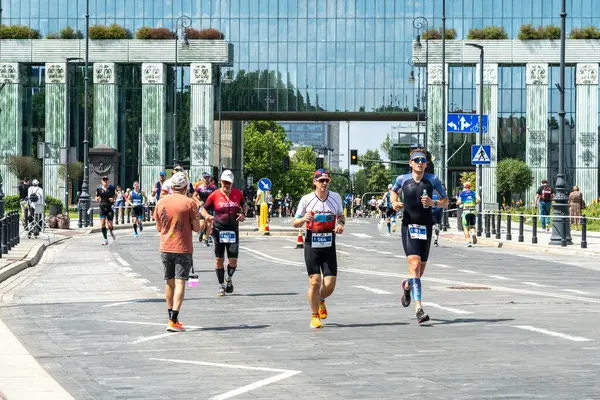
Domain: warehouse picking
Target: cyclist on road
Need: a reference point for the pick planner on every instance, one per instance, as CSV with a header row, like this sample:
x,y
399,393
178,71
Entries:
x,y
201,193
417,189
229,206
323,213
105,194
469,200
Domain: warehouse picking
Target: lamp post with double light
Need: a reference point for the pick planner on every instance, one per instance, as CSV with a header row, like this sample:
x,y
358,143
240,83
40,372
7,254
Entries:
x,y
84,197
422,25
223,79
411,79
181,23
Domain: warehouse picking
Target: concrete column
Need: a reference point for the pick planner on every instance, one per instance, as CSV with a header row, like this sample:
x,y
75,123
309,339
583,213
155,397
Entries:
x,y
154,100
11,121
202,120
586,150
537,125
56,94
436,130
490,107
106,105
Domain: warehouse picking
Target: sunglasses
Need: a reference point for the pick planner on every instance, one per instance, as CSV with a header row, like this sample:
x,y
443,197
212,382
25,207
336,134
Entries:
x,y
420,160
324,180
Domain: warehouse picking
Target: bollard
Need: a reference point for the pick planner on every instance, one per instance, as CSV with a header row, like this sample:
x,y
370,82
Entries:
x,y
14,227
116,215
534,232
508,234
128,215
3,248
583,232
521,223
487,225
8,230
498,227
493,223
91,216
123,215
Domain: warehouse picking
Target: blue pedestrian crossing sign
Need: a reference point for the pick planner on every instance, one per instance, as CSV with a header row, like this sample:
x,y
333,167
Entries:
x,y
481,154
265,184
466,123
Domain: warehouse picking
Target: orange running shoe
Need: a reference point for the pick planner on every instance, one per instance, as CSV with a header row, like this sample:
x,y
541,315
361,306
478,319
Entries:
x,y
322,310
175,327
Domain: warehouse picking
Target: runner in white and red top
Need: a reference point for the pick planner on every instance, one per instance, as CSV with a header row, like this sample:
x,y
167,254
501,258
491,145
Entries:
x,y
323,213
229,206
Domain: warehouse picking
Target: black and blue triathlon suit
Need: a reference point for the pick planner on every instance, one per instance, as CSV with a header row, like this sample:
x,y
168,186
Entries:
x,y
106,210
417,218
137,200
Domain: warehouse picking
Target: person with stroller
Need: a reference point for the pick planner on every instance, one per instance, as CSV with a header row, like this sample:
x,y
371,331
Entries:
x,y
35,197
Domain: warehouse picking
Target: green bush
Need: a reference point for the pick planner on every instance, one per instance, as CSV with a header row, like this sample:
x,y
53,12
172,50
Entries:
x,y
147,33
12,203
18,32
69,33
433,34
113,32
528,32
585,33
52,36
50,201
487,33
513,176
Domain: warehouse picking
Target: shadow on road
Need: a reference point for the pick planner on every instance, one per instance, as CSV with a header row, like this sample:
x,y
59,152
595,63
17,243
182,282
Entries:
x,y
435,321
265,294
336,325
230,328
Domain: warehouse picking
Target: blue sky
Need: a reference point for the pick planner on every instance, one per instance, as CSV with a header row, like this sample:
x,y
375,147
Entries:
x,y
363,136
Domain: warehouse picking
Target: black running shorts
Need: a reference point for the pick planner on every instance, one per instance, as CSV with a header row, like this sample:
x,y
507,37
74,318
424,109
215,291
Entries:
x,y
233,249
106,211
137,211
437,216
320,261
416,247
389,212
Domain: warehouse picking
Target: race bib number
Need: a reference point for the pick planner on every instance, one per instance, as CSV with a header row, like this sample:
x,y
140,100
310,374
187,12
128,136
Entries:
x,y
227,237
417,232
322,240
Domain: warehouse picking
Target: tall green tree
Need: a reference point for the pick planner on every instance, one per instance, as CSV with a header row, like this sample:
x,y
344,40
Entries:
x,y
386,147
513,176
368,159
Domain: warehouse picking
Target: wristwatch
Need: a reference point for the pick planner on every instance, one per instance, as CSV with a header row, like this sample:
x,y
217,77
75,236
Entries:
x,y
435,203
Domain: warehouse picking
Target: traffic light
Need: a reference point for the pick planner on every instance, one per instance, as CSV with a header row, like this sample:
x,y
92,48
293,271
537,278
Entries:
x,y
286,163
319,162
354,157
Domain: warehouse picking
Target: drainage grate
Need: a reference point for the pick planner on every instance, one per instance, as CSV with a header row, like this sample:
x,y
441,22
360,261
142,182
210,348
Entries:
x,y
469,288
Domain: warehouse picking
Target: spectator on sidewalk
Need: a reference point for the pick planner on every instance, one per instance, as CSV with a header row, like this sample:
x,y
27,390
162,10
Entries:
x,y
543,198
23,193
576,206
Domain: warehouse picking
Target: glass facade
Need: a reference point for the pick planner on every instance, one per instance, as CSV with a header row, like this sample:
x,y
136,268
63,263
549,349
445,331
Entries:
x,y
321,55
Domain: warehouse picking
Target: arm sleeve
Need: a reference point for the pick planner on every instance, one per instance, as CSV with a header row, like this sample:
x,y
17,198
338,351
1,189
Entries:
x,y
437,185
301,210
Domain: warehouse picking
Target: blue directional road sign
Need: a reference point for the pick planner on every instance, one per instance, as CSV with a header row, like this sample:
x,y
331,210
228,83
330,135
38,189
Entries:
x,y
265,184
466,123
481,154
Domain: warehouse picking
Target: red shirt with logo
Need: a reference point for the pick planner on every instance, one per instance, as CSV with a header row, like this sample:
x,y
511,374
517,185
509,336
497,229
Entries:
x,y
226,209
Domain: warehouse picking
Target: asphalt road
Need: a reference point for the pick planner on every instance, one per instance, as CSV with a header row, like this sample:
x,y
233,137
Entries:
x,y
504,324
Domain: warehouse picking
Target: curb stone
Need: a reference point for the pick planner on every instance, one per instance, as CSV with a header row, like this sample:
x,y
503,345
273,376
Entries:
x,y
17,266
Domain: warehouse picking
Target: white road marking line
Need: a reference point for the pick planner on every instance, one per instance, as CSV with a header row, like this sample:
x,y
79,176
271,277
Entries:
x,y
131,274
467,271
534,284
143,280
443,281
378,291
128,269
148,338
282,374
552,333
442,265
399,256
449,309
385,252
120,259
362,235
149,323
575,291
500,277
342,252
120,303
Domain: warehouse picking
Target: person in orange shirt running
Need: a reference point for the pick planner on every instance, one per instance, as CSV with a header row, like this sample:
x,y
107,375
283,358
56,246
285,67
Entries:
x,y
176,217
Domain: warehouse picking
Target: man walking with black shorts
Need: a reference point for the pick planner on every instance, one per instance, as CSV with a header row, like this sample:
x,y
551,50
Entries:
x,y
229,206
176,217
105,194
323,213
417,189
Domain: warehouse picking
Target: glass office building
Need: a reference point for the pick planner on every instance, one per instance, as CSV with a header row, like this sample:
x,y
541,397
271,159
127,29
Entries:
x,y
324,55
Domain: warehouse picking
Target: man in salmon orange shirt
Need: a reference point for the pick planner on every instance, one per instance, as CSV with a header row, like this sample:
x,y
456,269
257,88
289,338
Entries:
x,y
176,217
229,206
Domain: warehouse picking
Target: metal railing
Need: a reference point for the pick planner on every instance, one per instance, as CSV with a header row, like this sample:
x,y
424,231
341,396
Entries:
x,y
125,211
9,232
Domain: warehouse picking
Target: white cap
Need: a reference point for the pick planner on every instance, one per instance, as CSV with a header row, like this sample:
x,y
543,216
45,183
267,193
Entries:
x,y
179,181
227,176
390,186
35,182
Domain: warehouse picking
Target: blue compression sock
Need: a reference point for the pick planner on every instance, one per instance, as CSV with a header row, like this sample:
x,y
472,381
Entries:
x,y
389,227
416,288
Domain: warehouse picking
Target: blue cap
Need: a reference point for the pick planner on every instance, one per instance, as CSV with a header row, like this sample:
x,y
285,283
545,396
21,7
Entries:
x,y
205,175
163,173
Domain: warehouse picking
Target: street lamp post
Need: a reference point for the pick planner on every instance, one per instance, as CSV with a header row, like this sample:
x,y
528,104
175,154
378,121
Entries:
x,y
182,23
84,197
411,79
67,129
444,155
222,80
270,100
560,224
478,176
421,24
